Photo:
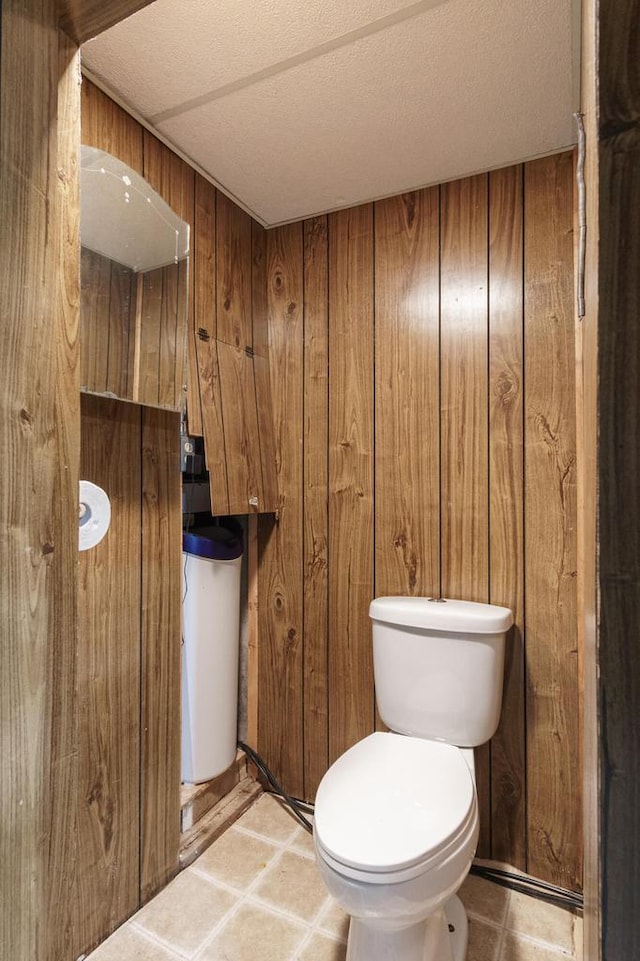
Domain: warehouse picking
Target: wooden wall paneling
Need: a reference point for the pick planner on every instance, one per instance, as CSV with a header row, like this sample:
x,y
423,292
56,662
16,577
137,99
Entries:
x,y
234,270
107,126
213,426
160,650
167,173
315,492
264,401
266,433
259,305
407,395
281,539
183,321
351,702
506,533
174,180
107,874
202,262
169,376
39,431
149,336
95,320
242,443
122,307
553,778
204,386
60,802
464,402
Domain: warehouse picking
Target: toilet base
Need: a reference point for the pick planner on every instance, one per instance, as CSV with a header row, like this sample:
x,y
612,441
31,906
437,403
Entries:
x,y
457,919
430,940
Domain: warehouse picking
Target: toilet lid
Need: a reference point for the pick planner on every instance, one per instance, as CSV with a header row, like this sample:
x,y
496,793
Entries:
x,y
391,802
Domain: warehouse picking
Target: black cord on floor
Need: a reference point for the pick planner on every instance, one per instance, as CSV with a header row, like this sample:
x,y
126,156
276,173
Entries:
x,y
525,884
522,883
298,808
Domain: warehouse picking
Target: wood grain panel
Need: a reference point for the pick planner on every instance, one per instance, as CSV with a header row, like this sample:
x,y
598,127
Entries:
x,y
62,755
506,472
168,376
107,126
183,315
37,486
175,182
316,519
351,703
203,318
407,396
554,836
170,176
266,437
95,320
109,677
280,539
259,306
160,650
121,320
264,402
212,425
234,270
149,336
242,445
464,401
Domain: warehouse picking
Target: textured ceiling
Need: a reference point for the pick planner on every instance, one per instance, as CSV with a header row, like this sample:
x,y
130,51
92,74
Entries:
x,y
298,108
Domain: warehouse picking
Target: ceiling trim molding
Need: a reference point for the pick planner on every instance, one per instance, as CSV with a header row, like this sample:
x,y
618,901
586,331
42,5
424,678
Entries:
x,y
344,40
171,145
84,19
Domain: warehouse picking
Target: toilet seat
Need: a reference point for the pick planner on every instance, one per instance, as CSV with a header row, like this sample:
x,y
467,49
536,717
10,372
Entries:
x,y
393,807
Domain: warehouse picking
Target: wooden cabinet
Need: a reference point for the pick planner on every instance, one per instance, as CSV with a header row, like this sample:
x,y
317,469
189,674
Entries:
x,y
137,207
228,385
233,386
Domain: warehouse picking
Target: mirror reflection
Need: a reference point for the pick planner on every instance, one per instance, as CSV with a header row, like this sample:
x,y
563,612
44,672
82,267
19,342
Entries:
x,y
134,295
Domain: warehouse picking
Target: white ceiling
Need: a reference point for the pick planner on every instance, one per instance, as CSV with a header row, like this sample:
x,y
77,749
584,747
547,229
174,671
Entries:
x,y
297,108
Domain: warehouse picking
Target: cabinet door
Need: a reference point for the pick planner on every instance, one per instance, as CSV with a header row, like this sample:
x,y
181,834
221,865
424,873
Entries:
x,y
233,258
241,434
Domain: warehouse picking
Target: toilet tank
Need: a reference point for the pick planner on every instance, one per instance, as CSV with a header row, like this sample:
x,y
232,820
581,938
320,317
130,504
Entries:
x,y
438,667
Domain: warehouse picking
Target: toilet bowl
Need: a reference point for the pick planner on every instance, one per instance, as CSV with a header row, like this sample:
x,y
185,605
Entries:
x,y
396,817
395,832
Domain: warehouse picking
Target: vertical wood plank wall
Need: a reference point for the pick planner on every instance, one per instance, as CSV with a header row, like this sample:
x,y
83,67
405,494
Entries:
x,y
160,649
39,443
107,876
423,371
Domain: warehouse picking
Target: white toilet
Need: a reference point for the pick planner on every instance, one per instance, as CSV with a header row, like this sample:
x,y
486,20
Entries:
x,y
396,817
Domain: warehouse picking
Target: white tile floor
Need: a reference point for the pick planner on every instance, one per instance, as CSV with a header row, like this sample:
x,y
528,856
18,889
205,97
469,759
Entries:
x,y
256,895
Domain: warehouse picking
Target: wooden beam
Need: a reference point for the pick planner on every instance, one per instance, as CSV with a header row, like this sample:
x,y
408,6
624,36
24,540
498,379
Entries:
x,y
84,19
39,437
618,552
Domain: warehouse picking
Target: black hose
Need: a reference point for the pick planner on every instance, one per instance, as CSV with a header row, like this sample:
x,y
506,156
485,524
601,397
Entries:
x,y
297,807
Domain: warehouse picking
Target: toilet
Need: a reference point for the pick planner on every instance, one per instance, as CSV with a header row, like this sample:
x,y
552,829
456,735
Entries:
x,y
396,816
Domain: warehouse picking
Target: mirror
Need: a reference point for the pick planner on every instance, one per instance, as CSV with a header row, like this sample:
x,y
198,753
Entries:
x,y
134,286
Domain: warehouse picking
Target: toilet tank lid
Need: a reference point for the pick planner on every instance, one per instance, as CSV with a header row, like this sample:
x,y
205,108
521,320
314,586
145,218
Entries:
x,y
442,614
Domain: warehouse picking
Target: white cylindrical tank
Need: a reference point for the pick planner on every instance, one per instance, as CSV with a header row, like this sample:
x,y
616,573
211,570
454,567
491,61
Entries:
x,y
212,559
438,667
